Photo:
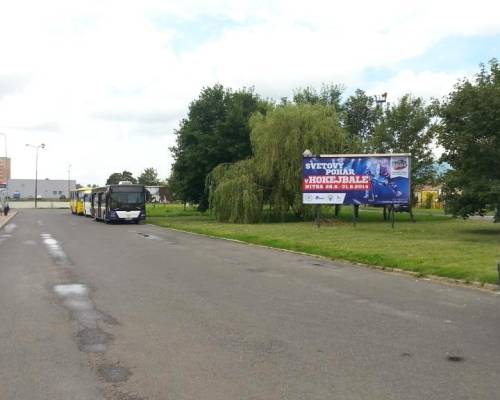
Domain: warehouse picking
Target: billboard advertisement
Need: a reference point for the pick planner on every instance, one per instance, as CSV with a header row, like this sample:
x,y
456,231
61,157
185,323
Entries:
x,y
356,179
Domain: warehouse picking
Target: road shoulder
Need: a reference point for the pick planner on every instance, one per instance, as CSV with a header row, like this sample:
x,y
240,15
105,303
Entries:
x,y
4,220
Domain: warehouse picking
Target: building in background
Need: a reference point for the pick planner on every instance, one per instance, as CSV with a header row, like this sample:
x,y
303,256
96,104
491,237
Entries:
x,y
4,170
429,197
53,189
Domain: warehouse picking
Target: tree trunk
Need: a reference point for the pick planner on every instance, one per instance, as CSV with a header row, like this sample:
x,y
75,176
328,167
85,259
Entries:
x,y
496,218
203,204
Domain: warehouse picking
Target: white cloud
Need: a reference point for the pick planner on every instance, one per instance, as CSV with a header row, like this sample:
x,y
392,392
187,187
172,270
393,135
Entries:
x,y
426,84
112,82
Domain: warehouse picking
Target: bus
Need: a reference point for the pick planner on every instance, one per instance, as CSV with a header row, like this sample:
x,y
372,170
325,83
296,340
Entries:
x,y
77,200
115,203
87,203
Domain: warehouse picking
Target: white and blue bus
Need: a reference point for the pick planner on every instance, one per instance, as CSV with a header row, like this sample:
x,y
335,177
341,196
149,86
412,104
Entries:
x,y
124,202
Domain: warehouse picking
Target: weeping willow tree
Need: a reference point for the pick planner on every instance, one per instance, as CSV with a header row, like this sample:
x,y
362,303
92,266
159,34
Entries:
x,y
234,195
273,177
278,141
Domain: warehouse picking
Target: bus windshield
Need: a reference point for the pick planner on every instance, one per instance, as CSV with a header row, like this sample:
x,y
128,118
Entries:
x,y
120,200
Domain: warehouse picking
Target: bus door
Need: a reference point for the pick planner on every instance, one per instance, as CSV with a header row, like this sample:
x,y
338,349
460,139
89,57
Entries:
x,y
92,205
106,208
99,205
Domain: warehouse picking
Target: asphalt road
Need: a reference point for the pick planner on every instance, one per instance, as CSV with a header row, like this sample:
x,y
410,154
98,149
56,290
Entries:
x,y
94,311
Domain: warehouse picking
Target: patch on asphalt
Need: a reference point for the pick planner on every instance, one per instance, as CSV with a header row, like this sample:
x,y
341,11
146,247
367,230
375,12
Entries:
x,y
112,393
75,297
317,264
93,340
4,237
256,269
10,227
113,374
55,250
454,357
149,236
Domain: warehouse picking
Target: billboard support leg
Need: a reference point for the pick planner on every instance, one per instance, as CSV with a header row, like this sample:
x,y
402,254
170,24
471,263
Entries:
x,y
393,213
354,215
498,269
318,215
411,214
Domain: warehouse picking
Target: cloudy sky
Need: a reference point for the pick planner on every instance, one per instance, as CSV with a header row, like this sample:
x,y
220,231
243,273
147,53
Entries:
x,y
104,83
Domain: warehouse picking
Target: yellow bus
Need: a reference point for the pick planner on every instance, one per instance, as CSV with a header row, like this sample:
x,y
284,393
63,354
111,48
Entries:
x,y
77,200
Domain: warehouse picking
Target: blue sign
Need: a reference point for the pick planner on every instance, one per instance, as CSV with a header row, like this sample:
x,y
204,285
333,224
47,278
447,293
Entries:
x,y
357,179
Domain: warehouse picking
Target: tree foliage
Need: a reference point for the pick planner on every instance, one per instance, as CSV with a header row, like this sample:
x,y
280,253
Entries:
x,y
405,128
234,194
116,177
469,131
273,177
330,94
215,131
360,117
149,177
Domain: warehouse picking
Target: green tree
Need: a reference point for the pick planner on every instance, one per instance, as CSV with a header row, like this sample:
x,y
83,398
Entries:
x,y
360,117
469,131
405,128
274,175
116,177
149,177
328,95
234,194
215,131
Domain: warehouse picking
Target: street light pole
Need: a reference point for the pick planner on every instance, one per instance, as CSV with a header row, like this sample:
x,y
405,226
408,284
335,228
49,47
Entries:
x,y
69,180
379,100
42,146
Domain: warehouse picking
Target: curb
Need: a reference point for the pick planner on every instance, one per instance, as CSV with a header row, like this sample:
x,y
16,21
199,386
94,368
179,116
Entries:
x,y
483,287
11,215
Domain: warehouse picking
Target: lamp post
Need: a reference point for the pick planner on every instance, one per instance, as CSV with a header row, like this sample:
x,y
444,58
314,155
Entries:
x,y
40,146
380,99
69,180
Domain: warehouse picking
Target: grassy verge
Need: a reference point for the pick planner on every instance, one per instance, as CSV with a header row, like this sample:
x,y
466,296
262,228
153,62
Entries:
x,y
435,245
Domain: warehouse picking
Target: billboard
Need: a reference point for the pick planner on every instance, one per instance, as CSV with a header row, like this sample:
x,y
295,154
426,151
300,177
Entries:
x,y
157,194
356,179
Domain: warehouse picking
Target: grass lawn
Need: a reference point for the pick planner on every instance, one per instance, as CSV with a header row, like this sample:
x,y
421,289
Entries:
x,y
435,245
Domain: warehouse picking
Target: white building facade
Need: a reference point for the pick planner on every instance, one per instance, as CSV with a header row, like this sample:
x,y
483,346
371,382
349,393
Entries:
x,y
53,189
